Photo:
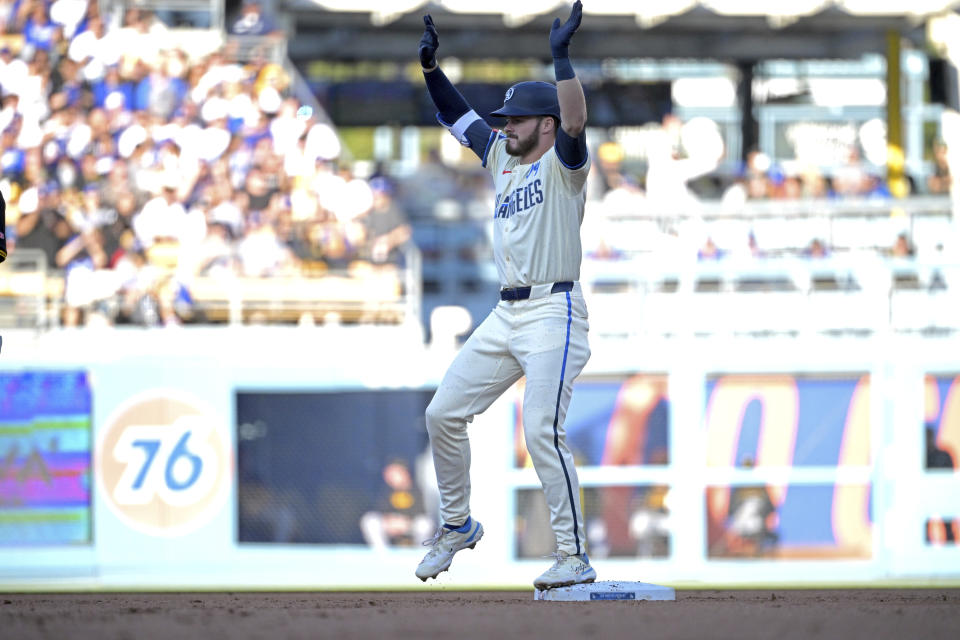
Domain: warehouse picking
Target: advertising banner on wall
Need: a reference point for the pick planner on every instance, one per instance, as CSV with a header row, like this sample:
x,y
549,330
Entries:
x,y
941,410
810,421
45,454
146,469
819,423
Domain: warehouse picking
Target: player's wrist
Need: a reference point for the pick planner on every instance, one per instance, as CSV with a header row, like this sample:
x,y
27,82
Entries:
x,y
562,68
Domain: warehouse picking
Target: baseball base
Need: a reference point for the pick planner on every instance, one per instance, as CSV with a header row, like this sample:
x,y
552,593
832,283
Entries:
x,y
607,590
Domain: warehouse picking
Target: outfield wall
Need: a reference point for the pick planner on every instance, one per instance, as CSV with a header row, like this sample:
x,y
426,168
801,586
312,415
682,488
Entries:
x,y
289,458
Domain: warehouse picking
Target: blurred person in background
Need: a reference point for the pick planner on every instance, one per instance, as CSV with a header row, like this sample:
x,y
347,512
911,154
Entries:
x,y
751,521
816,249
39,32
940,180
709,250
254,21
162,224
902,247
87,173
79,258
263,252
850,178
7,15
44,228
258,190
112,84
66,87
215,256
89,210
672,165
117,230
91,50
387,228
398,518
71,15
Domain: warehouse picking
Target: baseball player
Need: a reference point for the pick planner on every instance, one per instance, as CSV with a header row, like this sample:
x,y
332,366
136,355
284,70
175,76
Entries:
x,y
539,164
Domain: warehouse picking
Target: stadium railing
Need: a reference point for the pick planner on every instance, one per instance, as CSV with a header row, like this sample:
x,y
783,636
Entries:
x,y
655,284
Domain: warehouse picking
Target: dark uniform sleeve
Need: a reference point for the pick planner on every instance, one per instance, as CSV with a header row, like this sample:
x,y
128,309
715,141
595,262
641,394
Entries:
x,y
3,228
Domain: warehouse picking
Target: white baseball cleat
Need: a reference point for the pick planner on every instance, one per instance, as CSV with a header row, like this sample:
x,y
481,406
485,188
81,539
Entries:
x,y
567,570
444,545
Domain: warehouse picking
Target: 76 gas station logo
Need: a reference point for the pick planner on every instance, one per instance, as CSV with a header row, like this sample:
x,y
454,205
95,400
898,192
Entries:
x,y
172,462
163,464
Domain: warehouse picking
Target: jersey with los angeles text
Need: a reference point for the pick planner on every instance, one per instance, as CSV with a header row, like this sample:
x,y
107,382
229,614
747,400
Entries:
x,y
536,218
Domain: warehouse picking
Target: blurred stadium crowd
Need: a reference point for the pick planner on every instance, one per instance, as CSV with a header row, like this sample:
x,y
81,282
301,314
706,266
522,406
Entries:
x,y
137,165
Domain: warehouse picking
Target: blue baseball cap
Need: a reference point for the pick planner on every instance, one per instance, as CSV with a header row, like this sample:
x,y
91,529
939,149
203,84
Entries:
x,y
531,98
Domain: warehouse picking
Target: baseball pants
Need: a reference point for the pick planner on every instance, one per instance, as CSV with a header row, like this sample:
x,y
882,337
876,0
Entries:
x,y
545,339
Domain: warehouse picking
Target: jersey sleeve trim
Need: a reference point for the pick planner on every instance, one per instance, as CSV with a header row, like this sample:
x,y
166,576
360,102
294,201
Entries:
x,y
494,135
459,127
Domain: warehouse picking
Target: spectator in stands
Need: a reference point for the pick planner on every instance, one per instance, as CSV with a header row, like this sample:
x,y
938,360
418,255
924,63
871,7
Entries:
x,y
89,211
940,180
117,179
7,15
874,186
710,250
902,247
163,218
66,85
263,252
12,159
671,167
92,50
43,228
253,21
813,183
387,228
112,84
118,235
39,33
756,175
850,179
215,256
816,249
70,15
87,173
152,150
79,258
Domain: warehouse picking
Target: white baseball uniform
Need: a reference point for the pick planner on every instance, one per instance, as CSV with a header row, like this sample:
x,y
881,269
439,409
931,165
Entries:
x,y
537,217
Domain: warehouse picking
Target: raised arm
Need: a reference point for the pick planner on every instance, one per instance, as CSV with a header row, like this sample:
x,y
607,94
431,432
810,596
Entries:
x,y
571,144
455,112
573,105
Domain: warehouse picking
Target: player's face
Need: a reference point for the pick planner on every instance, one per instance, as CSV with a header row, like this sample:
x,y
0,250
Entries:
x,y
523,134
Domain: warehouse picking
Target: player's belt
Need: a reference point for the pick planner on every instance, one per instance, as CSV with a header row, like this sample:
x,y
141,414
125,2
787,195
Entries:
x,y
522,293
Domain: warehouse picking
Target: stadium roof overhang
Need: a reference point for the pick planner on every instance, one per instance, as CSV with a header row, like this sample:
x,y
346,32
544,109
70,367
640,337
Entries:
x,y
701,29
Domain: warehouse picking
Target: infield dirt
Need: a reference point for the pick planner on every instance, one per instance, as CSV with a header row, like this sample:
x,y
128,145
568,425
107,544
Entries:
x,y
783,614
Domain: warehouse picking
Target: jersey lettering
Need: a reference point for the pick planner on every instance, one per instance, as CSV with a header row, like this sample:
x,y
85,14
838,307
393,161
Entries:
x,y
520,199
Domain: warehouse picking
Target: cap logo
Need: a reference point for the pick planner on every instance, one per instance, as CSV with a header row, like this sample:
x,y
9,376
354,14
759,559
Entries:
x,y
509,94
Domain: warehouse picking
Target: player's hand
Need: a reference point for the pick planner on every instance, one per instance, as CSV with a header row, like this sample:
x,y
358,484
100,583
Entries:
x,y
560,34
429,44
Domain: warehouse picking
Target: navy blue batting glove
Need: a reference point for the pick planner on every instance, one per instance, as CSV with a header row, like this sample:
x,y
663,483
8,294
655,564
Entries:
x,y
429,44
560,34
